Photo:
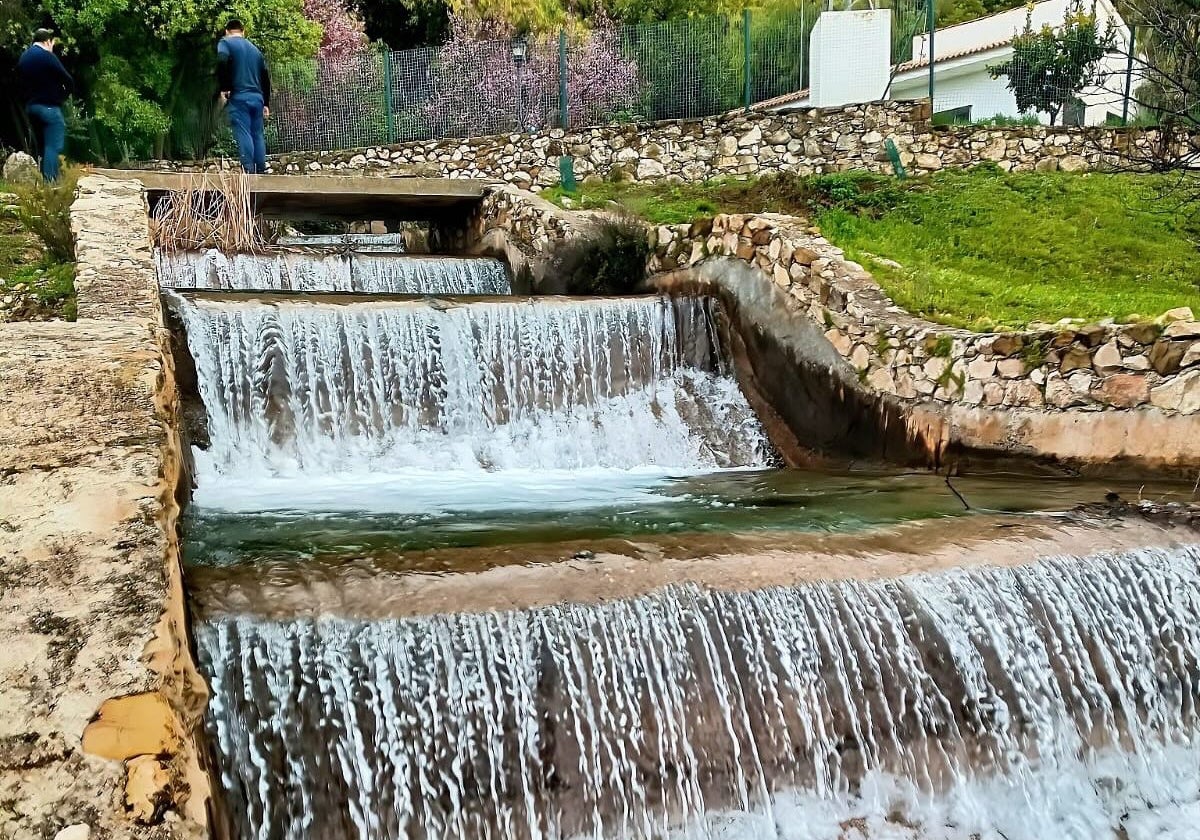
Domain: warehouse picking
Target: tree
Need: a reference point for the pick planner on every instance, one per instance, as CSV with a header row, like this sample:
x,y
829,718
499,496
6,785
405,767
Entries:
x,y
1049,67
146,66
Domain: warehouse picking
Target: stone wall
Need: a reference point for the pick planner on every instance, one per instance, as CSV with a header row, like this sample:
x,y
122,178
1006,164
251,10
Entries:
x,y
1091,367
99,699
811,141
1075,392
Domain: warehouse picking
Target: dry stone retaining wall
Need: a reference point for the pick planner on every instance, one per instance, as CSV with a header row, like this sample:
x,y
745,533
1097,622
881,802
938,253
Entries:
x,y
743,145
1090,367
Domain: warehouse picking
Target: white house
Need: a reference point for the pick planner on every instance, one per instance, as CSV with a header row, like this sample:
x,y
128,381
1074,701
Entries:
x,y
963,88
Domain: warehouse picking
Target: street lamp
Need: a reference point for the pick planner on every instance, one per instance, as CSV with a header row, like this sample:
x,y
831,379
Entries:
x,y
520,52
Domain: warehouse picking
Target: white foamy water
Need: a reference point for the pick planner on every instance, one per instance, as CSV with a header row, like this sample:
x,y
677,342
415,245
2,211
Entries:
x,y
406,390
1055,701
347,271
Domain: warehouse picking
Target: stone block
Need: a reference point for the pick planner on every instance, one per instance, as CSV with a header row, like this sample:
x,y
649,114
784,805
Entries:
x,y
1124,390
1180,394
1166,357
1108,358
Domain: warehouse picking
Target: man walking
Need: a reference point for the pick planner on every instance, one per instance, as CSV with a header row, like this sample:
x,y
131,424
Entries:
x,y
246,94
46,84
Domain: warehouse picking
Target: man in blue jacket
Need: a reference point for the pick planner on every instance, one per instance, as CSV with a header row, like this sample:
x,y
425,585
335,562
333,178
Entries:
x,y
45,84
246,94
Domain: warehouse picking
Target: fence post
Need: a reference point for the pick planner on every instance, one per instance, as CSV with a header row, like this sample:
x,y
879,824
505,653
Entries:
x,y
1129,74
389,117
562,79
931,24
746,48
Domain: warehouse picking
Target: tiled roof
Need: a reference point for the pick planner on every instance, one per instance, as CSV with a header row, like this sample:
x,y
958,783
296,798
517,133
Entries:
x,y
924,60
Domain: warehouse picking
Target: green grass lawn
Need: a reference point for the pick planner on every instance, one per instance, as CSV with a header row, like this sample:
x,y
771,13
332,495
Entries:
x,y
979,249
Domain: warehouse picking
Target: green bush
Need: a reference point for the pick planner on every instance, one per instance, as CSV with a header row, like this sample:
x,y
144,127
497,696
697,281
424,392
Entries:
x,y
45,211
612,261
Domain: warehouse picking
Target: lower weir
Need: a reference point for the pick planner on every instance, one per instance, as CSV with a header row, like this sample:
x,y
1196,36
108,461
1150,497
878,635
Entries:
x,y
986,698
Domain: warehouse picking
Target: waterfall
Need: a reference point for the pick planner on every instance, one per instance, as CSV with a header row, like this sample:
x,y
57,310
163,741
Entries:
x,y
1053,700
550,384
345,271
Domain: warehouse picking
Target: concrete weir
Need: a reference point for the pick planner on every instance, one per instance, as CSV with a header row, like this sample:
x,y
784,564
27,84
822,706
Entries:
x,y
101,702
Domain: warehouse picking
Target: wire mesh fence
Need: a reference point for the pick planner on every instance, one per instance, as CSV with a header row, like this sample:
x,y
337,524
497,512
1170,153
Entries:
x,y
677,69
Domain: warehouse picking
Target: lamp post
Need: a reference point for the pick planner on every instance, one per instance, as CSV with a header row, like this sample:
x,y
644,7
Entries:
x,y
520,52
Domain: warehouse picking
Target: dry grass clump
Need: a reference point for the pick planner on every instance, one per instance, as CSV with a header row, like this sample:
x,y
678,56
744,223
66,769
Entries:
x,y
211,211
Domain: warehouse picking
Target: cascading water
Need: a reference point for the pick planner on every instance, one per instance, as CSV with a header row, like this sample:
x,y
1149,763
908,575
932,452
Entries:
x,y
345,271
1046,701
557,384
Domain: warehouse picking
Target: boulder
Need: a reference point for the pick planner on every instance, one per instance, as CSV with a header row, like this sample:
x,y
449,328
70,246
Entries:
x,y
21,169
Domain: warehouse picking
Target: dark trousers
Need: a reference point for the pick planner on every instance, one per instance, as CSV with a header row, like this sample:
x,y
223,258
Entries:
x,y
246,120
48,120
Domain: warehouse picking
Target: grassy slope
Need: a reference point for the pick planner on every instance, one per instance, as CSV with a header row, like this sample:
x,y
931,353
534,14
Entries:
x,y
982,249
979,249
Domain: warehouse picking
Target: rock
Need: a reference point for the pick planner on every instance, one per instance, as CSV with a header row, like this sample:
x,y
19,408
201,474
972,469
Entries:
x,y
1061,395
1166,357
21,169
1139,362
805,256
1124,390
1143,332
146,789
995,150
1181,394
1048,164
860,357
840,341
981,368
1108,358
1075,358
1182,313
648,168
973,392
1023,393
751,138
1092,335
1191,357
1182,329
79,831
927,161
1011,368
1072,163
881,380
935,367
1007,345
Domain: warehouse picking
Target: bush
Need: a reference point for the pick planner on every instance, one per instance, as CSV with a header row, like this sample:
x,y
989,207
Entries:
x,y
45,211
612,261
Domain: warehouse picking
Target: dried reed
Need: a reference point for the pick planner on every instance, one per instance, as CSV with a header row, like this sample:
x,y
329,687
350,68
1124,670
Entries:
x,y
210,211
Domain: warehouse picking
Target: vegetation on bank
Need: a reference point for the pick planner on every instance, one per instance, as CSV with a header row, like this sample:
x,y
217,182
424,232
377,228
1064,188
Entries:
x,y
981,249
37,268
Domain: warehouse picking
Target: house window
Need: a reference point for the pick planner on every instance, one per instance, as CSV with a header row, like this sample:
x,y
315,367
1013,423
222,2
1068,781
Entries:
x,y
953,116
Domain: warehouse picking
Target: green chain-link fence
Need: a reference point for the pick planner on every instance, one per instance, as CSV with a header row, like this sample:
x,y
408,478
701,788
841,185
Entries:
x,y
686,68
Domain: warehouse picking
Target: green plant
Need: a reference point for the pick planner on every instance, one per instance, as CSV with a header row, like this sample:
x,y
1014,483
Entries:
x,y
610,261
1033,352
45,210
882,343
1049,67
941,346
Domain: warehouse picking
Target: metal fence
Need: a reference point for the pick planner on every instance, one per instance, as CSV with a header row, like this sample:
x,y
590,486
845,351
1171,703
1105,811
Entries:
x,y
686,68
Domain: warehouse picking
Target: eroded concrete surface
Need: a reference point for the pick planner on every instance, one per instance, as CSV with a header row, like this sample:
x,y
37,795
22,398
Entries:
x,y
98,698
83,586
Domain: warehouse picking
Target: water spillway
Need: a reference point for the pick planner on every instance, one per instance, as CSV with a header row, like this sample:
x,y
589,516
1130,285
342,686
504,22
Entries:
x,y
345,270
482,386
987,694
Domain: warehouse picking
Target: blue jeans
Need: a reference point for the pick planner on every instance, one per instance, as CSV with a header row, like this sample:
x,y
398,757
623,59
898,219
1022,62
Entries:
x,y
246,120
49,120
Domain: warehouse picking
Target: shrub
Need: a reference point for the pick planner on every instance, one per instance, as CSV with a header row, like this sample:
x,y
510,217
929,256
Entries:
x,y
611,261
45,211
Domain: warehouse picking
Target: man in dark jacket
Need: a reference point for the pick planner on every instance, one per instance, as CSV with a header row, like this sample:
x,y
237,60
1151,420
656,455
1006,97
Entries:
x,y
46,84
246,93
